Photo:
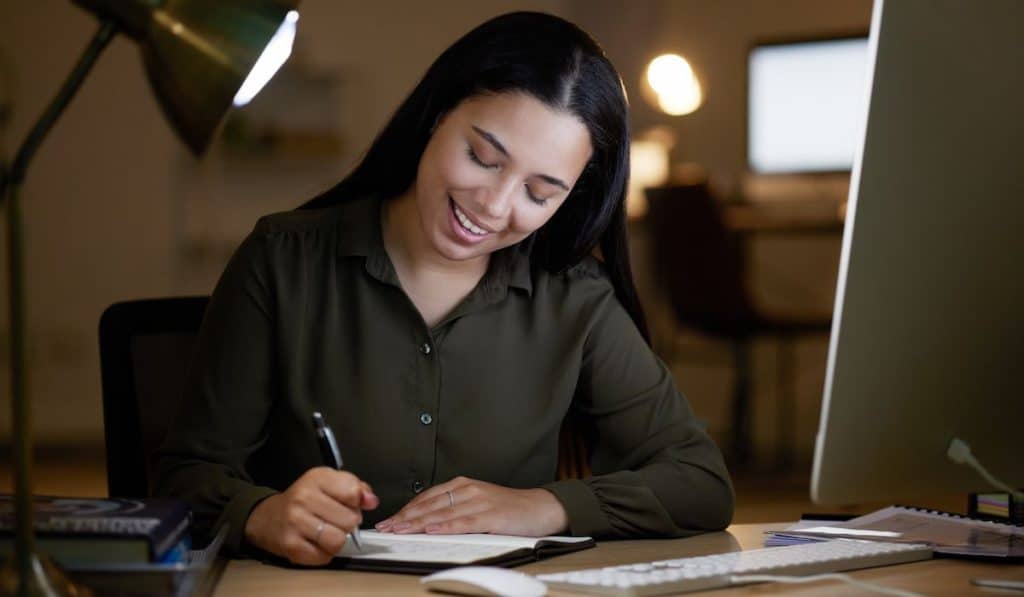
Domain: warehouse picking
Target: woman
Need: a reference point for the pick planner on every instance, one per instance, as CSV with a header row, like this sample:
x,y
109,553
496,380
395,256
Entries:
x,y
441,308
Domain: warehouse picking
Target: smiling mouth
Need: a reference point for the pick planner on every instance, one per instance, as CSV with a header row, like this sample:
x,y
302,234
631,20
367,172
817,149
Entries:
x,y
465,222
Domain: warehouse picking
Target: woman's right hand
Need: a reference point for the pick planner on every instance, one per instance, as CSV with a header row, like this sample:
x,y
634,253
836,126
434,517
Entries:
x,y
309,523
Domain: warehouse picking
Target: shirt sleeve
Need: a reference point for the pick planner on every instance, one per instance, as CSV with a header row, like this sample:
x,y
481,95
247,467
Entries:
x,y
656,472
228,395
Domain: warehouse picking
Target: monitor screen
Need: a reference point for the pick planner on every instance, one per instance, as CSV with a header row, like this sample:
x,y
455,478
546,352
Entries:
x,y
929,313
805,105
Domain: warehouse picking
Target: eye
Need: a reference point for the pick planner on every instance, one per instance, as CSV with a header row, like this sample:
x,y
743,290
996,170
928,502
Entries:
x,y
476,159
537,200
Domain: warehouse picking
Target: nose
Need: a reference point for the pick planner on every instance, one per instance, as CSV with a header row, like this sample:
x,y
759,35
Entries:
x,y
496,200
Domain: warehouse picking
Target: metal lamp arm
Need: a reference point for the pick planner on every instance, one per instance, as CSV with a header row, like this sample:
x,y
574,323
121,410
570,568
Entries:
x,y
16,174
31,575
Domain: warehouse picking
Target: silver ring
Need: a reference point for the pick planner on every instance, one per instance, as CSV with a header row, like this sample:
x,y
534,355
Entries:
x,y
319,529
451,499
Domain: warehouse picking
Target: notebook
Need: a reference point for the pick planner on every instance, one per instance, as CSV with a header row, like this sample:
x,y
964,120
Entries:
x,y
420,553
948,533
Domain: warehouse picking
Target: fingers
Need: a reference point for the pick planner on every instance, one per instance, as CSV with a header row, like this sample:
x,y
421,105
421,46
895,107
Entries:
x,y
301,551
480,507
423,502
439,489
343,486
309,540
443,502
309,523
331,539
321,511
472,523
325,508
432,493
415,510
369,501
468,517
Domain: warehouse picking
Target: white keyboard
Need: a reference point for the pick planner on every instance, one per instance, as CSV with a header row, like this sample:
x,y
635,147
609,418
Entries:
x,y
714,571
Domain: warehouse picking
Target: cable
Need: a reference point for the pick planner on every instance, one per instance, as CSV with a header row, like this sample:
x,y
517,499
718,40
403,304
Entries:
x,y
867,586
959,452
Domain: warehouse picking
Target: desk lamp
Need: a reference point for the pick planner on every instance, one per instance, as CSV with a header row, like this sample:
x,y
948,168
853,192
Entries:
x,y
201,57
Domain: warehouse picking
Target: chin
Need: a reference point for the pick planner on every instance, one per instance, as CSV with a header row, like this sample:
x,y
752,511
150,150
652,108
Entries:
x,y
453,251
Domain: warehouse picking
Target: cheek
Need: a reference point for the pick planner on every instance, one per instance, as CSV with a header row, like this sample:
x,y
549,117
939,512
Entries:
x,y
530,219
452,171
435,178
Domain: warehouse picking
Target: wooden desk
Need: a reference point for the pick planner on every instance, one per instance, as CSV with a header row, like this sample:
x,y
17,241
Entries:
x,y
950,577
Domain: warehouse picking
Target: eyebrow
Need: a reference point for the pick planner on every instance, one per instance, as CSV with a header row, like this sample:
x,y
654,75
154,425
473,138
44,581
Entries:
x,y
497,145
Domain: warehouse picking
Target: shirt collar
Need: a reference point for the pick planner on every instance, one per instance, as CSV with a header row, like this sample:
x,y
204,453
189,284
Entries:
x,y
360,235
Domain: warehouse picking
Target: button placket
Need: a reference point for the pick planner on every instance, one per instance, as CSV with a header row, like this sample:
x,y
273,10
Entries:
x,y
428,377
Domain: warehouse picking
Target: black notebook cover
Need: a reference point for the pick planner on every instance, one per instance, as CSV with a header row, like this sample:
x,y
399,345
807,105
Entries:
x,y
423,554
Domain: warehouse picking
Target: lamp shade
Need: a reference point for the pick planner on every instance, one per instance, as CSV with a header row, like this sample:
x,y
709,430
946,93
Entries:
x,y
198,53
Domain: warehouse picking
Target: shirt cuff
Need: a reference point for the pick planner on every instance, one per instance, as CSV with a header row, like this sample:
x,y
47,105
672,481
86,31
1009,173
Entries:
x,y
236,513
586,517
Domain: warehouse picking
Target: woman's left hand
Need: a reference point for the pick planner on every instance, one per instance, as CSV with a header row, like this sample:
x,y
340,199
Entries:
x,y
465,505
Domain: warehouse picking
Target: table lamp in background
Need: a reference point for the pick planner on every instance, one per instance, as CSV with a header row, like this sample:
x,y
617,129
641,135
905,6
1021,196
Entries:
x,y
671,86
201,58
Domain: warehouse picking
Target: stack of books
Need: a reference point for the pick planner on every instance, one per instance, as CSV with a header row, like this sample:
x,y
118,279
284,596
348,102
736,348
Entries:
x,y
90,533
948,533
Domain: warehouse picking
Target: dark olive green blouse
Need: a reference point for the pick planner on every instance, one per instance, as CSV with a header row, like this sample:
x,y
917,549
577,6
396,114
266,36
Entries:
x,y
309,315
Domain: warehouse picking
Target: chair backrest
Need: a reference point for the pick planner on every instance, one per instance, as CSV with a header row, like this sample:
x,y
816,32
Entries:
x,y
145,350
698,261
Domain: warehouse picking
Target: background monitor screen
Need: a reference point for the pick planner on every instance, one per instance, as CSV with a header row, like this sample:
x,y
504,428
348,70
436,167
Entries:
x,y
805,105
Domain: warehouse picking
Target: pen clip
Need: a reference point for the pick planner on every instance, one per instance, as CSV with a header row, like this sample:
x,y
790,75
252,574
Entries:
x,y
332,445
328,444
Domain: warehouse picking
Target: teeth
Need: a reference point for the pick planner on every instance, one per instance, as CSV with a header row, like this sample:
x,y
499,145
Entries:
x,y
467,223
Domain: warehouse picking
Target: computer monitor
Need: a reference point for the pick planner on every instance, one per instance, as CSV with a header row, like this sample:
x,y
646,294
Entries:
x,y
927,341
805,104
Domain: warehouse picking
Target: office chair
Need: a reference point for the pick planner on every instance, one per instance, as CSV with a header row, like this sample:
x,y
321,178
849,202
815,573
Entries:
x,y
145,349
701,266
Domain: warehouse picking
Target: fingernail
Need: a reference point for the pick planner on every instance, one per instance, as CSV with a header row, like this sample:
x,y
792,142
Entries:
x,y
433,528
398,528
383,524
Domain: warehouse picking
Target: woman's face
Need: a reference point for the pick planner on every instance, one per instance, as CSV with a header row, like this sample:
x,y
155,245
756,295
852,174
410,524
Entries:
x,y
496,168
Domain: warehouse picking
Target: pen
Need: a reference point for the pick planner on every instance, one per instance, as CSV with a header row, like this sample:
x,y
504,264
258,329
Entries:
x,y
332,458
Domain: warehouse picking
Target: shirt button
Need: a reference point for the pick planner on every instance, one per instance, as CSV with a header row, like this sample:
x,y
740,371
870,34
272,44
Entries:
x,y
426,419
417,486
425,348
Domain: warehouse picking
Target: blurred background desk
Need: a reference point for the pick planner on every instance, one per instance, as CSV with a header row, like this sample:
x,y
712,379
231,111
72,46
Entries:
x,y
785,218
250,578
703,255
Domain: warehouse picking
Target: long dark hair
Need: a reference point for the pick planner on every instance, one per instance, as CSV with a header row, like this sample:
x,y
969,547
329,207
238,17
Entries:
x,y
562,66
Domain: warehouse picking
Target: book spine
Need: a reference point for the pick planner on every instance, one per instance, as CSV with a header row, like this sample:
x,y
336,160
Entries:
x,y
99,525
